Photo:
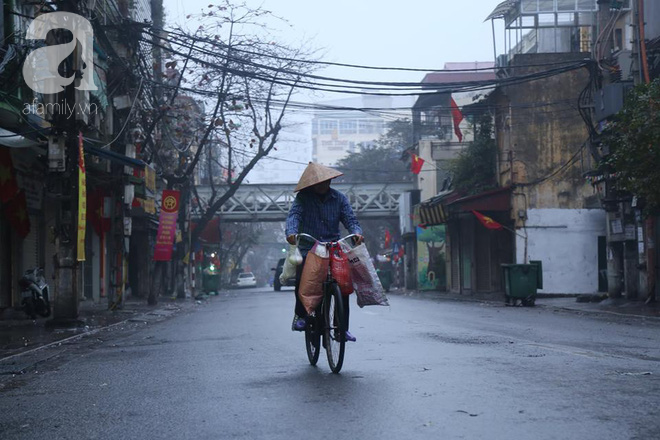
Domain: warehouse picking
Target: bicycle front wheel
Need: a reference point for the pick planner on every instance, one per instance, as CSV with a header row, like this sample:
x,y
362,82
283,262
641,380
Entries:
x,y
335,327
313,339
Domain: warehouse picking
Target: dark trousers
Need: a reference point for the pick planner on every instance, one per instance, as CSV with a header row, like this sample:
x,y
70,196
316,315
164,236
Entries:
x,y
300,309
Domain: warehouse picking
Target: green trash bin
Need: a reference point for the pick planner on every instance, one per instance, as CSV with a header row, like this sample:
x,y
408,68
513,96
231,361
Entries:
x,y
385,276
539,272
520,283
210,282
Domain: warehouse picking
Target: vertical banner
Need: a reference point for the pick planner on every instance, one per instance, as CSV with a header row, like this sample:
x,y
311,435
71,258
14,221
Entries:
x,y
82,199
169,211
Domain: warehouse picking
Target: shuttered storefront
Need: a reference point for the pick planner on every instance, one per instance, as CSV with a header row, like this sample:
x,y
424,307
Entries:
x,y
455,256
31,246
482,258
5,263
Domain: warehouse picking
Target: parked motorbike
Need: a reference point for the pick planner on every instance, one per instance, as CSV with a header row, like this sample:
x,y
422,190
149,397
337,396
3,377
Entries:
x,y
34,293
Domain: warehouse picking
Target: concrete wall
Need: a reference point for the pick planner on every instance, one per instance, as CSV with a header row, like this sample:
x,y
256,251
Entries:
x,y
539,131
566,240
427,180
652,19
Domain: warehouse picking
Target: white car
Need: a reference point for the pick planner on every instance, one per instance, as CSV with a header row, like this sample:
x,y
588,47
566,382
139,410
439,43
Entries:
x,y
246,279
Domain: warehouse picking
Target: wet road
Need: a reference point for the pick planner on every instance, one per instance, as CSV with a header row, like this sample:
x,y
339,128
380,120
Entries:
x,y
421,369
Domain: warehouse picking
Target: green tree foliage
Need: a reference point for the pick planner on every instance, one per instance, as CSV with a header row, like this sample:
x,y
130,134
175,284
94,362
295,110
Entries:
x,y
473,171
380,162
633,140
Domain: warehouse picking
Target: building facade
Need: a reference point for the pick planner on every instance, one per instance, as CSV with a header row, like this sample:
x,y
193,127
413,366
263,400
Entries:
x,y
341,127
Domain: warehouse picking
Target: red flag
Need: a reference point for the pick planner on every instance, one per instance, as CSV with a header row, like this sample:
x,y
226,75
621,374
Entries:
x,y
487,221
388,238
16,213
8,185
457,116
416,164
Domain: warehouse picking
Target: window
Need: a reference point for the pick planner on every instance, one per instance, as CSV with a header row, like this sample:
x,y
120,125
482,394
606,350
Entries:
x,y
328,126
529,6
587,5
566,5
348,127
618,39
546,20
566,19
546,5
366,126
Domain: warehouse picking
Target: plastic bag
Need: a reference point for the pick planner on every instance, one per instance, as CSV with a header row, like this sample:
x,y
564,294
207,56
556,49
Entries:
x,y
294,256
293,259
367,285
341,270
310,290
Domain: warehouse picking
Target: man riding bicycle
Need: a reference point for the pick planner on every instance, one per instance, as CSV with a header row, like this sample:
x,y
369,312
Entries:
x,y
317,211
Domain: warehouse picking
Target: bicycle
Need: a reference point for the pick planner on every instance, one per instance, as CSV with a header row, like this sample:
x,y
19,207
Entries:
x,y
328,321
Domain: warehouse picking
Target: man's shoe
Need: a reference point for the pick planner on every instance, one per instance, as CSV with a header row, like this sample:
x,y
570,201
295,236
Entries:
x,y
349,336
298,324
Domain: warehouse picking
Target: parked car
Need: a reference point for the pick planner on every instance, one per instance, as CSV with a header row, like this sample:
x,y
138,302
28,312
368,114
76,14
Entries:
x,y
277,286
246,279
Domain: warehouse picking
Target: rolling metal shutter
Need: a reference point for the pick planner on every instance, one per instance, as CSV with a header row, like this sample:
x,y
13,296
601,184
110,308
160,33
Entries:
x,y
31,245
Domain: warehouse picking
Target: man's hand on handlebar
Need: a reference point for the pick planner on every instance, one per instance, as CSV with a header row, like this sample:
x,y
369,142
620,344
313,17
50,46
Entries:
x,y
357,240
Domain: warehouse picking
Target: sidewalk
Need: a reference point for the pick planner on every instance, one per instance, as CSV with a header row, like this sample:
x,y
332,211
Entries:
x,y
621,307
20,335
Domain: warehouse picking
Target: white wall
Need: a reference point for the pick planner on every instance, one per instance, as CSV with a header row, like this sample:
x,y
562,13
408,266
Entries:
x,y
566,240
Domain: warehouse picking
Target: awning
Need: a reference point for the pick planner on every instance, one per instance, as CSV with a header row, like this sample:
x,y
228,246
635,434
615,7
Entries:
x,y
503,9
13,140
494,200
432,215
432,211
115,157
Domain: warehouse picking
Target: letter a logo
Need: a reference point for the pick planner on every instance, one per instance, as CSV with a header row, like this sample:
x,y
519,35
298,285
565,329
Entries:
x,y
40,67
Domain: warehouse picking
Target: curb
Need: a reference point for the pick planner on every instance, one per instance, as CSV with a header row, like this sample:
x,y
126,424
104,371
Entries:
x,y
62,341
160,313
496,300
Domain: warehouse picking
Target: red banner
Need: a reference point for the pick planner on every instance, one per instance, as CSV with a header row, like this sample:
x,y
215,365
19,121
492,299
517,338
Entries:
x,y
169,211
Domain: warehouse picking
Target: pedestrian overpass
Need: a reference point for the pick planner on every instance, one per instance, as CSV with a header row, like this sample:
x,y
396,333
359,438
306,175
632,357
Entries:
x,y
271,202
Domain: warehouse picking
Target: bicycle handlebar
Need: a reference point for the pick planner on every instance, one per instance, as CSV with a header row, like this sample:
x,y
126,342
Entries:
x,y
301,235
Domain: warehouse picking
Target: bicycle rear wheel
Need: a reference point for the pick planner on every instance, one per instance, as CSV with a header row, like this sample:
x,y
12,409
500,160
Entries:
x,y
313,339
335,327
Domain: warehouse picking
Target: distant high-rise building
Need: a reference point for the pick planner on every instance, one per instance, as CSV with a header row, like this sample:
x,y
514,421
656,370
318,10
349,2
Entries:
x,y
341,127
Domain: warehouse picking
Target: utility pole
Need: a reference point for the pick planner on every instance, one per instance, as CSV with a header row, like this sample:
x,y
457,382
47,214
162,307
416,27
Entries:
x,y
647,253
65,306
614,219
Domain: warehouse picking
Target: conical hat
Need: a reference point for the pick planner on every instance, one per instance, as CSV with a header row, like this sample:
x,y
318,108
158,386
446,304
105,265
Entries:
x,y
315,173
